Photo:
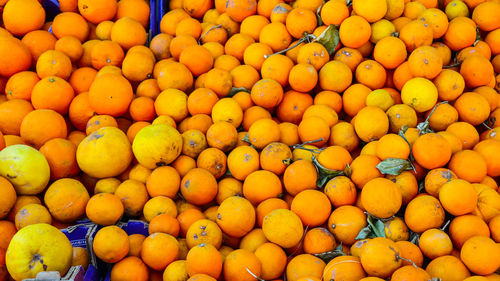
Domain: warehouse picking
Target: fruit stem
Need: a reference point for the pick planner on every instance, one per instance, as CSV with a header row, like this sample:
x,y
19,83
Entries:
x,y
486,125
210,29
255,276
445,225
452,65
301,40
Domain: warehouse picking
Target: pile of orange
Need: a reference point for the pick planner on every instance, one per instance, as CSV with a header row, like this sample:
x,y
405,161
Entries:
x,y
261,140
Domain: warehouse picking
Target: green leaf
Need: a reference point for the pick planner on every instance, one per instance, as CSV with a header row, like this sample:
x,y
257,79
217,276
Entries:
x,y
414,237
377,225
329,38
328,256
287,161
394,166
366,232
424,128
421,187
235,90
324,174
318,15
246,138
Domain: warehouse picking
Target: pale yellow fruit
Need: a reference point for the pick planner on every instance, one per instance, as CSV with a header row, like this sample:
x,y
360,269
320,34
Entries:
x,y
36,248
380,98
395,9
381,29
456,8
108,185
104,153
25,167
283,227
157,145
419,93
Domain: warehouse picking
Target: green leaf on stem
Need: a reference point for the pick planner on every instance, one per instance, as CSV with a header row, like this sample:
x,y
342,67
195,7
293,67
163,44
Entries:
x,y
235,90
329,38
394,166
328,256
324,174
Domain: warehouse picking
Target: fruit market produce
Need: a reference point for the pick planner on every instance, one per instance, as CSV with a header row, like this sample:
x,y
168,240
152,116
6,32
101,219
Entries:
x,y
298,140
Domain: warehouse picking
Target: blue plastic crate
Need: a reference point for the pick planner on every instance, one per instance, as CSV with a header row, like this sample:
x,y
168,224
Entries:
x,y
131,227
157,9
78,235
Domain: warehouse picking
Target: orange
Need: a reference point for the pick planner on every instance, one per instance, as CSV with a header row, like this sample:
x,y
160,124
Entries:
x,y
371,123
104,208
97,11
20,85
435,179
315,129
338,82
238,265
424,212
435,243
415,34
379,257
381,197
273,260
16,56
334,12
82,78
12,114
410,251
344,267
15,11
34,127
283,227
464,227
425,62
371,74
110,94
198,186
468,165
486,148
300,21
472,255
236,216
276,36
204,259
267,93
354,32
159,250
448,267
242,161
345,222
390,52
477,71
53,63
298,176
130,268
463,27
52,92
111,244
313,207
293,106
9,200
261,185
272,157
465,132
431,151
304,265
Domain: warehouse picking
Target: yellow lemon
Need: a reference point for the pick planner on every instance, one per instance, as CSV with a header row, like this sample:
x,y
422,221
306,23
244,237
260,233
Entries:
x,y
25,167
419,93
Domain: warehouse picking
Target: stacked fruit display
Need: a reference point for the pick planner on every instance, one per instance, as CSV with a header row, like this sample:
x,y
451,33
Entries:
x,y
260,140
